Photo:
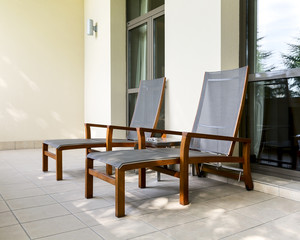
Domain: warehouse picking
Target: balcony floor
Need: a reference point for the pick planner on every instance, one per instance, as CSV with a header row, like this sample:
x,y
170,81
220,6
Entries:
x,y
33,205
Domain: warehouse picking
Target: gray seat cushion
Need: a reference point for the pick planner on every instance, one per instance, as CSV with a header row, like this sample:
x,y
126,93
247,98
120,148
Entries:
x,y
59,143
124,157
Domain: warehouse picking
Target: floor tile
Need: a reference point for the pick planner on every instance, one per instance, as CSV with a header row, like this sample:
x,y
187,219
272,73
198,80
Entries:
x,y
266,188
293,185
42,212
17,186
7,219
62,186
165,219
86,204
269,210
201,210
68,196
51,209
290,194
212,228
151,236
51,226
282,228
28,202
123,229
82,234
12,194
3,207
98,216
230,202
14,232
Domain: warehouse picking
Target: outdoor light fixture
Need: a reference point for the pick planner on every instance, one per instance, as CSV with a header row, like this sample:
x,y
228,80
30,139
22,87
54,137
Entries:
x,y
90,28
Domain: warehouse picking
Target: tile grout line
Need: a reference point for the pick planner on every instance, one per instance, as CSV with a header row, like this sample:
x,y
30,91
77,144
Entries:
x,y
19,223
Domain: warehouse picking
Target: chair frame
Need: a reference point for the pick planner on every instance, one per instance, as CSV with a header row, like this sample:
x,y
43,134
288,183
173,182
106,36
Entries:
x,y
109,144
183,160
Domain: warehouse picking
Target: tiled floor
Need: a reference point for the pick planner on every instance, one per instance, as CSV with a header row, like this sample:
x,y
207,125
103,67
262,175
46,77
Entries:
x,y
33,205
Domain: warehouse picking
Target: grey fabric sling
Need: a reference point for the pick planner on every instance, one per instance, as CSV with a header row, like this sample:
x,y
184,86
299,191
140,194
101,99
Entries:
x,y
218,113
145,115
218,109
147,106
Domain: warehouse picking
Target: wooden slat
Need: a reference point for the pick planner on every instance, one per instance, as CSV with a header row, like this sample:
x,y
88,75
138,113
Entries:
x,y
124,144
79,146
149,164
223,173
166,171
50,154
215,159
102,176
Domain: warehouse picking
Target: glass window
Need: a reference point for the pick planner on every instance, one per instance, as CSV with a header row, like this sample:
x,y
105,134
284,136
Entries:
x,y
274,121
159,47
136,8
132,101
277,35
137,55
273,99
145,48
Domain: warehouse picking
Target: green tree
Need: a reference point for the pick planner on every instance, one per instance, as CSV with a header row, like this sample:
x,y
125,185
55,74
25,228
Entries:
x,y
261,56
292,60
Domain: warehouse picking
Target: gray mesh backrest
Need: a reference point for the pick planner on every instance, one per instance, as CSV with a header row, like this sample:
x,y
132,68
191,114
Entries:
x,y
147,106
219,108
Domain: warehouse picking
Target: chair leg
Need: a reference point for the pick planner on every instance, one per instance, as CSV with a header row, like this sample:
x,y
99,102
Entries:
x,y
108,169
120,193
184,183
246,167
89,163
59,175
45,158
142,177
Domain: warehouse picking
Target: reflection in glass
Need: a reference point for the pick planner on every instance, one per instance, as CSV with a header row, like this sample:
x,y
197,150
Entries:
x,y
136,8
274,122
159,59
159,47
277,29
132,101
137,56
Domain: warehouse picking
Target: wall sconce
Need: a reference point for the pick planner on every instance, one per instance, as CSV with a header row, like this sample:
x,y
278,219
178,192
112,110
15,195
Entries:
x,y
90,28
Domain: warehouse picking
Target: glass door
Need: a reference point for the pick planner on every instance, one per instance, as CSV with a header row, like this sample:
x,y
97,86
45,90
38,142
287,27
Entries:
x,y
273,101
145,54
137,62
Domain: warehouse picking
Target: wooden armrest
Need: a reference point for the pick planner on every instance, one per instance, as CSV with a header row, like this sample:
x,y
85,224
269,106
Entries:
x,y
121,128
87,127
216,137
109,128
142,139
186,138
95,125
163,132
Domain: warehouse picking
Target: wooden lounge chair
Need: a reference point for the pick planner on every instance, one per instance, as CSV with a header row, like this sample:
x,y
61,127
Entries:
x,y
146,114
212,140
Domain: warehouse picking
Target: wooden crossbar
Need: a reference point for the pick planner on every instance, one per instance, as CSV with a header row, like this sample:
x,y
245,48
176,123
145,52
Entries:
x,y
102,176
166,171
50,154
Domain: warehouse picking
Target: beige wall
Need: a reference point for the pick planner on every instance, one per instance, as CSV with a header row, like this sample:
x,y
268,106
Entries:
x,y
41,69
193,45
230,24
105,64
47,59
